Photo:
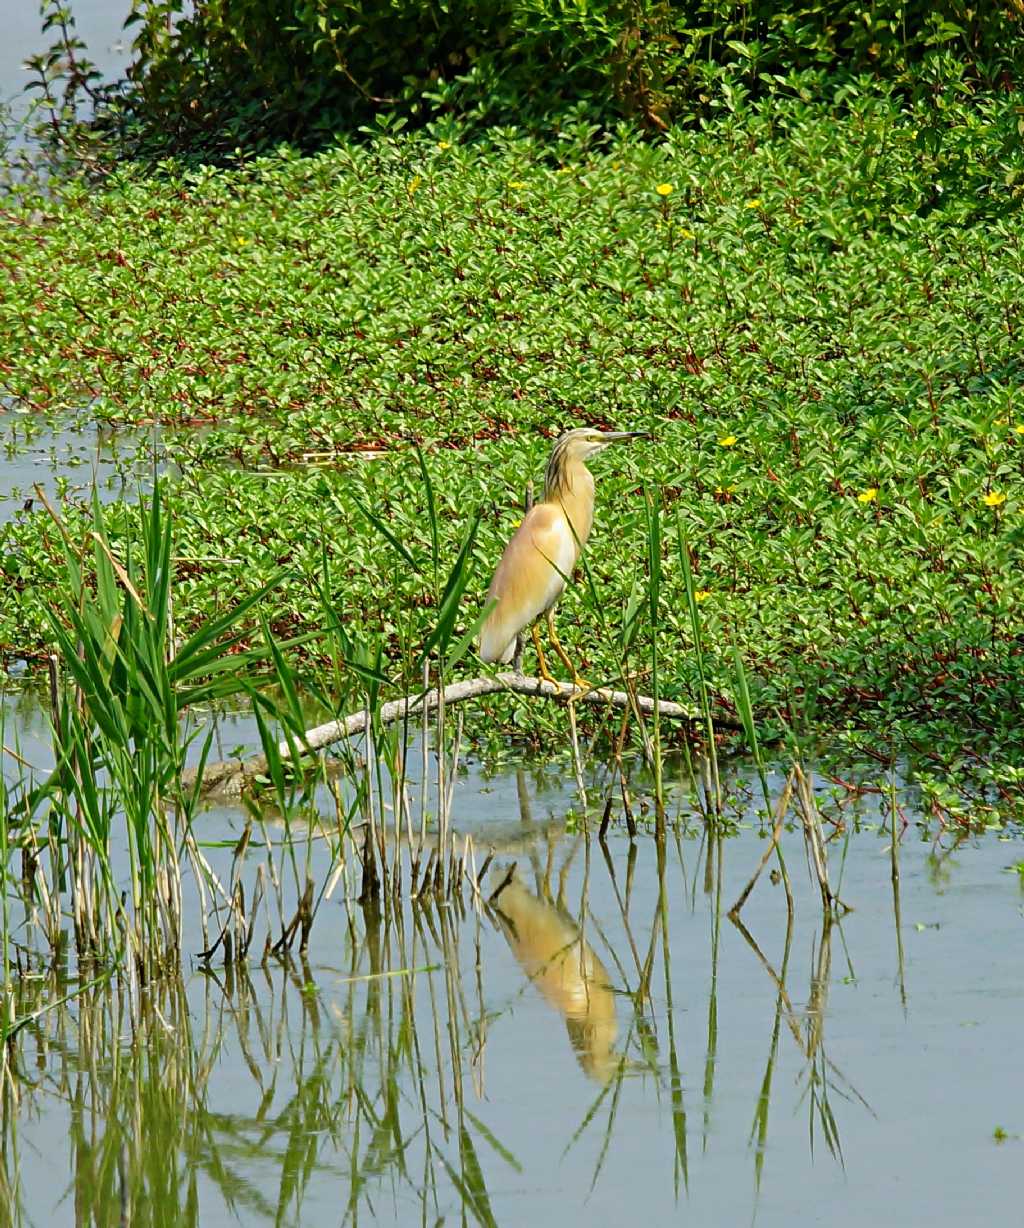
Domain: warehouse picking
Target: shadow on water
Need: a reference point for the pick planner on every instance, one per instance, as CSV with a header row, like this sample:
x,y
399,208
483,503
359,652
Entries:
x,y
561,964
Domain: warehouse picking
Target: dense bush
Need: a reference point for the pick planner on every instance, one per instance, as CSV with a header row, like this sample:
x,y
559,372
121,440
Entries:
x,y
238,71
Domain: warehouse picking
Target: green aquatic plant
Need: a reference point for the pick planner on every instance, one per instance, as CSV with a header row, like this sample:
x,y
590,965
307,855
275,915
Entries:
x,y
122,682
822,343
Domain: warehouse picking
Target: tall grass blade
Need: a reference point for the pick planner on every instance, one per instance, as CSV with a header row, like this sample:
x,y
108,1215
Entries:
x,y
693,612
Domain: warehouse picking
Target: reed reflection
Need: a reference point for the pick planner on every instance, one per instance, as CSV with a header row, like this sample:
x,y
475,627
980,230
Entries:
x,y
822,1080
365,1070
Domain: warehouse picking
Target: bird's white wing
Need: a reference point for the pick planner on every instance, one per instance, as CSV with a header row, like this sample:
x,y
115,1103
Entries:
x,y
528,580
556,552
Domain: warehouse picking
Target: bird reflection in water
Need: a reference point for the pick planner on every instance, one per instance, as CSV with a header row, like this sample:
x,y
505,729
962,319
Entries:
x,y
558,960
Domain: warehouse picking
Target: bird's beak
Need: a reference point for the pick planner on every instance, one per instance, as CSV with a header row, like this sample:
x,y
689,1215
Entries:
x,y
618,436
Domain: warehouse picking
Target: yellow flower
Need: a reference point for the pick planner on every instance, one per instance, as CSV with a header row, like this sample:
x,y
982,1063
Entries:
x,y
616,165
665,189
414,183
869,495
516,184
727,441
242,242
1019,429
442,145
994,498
685,234
702,594
754,204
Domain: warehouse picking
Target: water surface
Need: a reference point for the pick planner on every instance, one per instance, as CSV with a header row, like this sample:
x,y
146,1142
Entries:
x,y
99,23
67,459
598,1043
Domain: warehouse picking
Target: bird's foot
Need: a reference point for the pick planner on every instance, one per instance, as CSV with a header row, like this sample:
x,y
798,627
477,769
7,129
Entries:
x,y
547,675
581,684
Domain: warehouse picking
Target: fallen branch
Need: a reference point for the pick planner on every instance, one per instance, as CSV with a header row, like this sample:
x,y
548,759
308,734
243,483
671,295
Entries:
x,y
815,837
230,776
780,818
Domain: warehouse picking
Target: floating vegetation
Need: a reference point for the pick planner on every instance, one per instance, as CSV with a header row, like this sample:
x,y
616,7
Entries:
x,y
830,379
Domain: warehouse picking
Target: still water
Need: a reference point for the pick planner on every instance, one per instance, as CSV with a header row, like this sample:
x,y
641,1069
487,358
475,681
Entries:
x,y
99,23
70,460
592,1041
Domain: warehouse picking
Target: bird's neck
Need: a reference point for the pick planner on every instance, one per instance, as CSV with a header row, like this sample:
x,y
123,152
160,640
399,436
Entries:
x,y
574,494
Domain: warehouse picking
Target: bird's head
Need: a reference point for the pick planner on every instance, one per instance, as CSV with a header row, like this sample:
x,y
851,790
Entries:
x,y
587,441
577,446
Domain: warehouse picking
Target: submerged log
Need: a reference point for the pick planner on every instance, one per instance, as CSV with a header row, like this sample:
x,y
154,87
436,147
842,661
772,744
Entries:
x,y
230,776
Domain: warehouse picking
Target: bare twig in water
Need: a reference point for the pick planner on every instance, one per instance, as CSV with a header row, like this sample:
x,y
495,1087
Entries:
x,y
230,776
830,902
780,818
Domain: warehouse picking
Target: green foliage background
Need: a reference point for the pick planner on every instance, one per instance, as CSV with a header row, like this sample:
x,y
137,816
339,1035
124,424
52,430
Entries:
x,y
786,241
823,306
238,71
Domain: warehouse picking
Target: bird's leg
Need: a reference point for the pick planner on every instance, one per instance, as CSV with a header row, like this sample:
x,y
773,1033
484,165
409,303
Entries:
x,y
577,679
542,665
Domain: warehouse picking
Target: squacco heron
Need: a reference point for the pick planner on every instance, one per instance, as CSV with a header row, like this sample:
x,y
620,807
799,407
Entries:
x,y
543,551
